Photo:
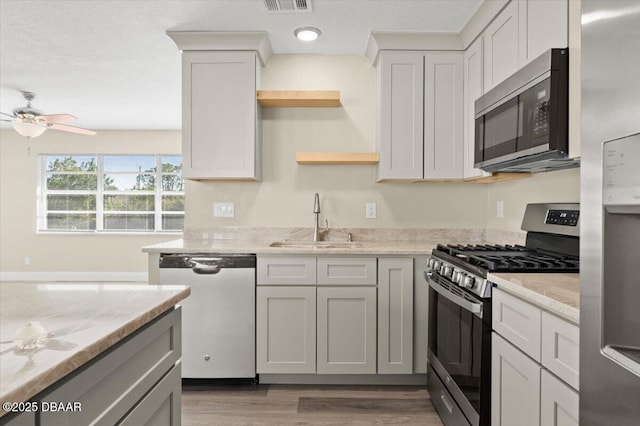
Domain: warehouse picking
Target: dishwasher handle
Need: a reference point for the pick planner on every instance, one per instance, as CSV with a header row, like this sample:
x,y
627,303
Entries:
x,y
203,268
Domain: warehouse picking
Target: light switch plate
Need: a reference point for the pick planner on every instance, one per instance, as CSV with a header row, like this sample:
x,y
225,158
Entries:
x,y
223,210
500,209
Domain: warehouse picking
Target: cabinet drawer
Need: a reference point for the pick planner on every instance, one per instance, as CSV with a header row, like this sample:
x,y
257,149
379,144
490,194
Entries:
x,y
518,322
559,404
282,270
111,386
161,406
334,270
561,348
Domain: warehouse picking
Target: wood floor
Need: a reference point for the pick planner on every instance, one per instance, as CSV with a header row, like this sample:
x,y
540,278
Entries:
x,y
283,405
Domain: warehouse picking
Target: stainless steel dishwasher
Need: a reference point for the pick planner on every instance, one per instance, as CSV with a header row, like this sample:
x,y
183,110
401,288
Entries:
x,y
218,319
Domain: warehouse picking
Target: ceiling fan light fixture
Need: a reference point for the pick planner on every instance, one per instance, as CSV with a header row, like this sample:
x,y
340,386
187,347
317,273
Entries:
x,y
29,130
307,33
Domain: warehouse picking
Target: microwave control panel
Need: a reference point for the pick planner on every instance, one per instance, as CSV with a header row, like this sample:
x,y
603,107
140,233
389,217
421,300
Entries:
x,y
620,171
541,112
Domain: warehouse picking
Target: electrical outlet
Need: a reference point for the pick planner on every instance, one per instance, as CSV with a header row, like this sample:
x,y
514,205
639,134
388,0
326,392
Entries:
x,y
223,210
370,211
27,261
500,209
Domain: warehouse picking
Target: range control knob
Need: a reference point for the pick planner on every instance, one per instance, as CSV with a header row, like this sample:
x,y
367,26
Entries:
x,y
435,265
461,278
456,277
468,282
447,270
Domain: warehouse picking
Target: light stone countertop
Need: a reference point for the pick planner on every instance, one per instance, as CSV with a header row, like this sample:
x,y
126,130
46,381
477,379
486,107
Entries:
x,y
556,293
83,320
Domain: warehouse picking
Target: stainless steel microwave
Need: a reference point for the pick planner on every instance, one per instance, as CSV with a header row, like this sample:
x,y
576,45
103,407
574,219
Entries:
x,y
521,125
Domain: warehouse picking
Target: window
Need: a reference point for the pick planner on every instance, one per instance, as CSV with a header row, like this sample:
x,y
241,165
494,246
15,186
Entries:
x,y
117,193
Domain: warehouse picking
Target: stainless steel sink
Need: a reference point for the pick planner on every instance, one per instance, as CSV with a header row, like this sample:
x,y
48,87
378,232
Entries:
x,y
314,244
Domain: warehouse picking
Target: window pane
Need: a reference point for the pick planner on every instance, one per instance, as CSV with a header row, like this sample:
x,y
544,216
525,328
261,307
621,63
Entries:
x,y
172,222
123,222
172,183
173,203
72,182
71,222
71,202
137,203
129,182
137,163
68,163
171,164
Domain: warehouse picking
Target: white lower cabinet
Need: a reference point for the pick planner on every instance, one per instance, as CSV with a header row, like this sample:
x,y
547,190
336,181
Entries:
x,y
337,315
346,330
515,386
559,403
535,364
395,315
286,329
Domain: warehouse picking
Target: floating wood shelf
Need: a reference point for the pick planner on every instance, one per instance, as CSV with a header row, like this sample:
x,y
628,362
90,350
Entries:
x,y
299,98
346,158
499,177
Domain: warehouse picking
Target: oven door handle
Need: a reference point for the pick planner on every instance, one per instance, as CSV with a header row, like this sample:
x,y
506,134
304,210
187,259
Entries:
x,y
474,308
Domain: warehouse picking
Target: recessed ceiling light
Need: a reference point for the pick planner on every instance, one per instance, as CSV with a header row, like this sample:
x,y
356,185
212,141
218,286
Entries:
x,y
307,33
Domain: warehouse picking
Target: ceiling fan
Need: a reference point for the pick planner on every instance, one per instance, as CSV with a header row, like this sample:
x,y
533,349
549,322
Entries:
x,y
30,122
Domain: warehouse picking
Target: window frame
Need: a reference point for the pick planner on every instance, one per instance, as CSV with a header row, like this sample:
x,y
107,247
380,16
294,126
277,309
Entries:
x,y
100,212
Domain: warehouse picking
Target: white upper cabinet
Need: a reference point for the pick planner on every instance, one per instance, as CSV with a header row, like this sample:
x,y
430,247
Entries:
x,y
473,89
543,25
220,137
399,133
501,39
420,133
443,129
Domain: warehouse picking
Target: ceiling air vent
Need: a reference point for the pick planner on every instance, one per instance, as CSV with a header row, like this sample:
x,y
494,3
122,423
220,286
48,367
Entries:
x,y
287,6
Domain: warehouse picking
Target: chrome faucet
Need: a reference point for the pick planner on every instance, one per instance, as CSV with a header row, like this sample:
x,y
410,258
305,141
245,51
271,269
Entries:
x,y
317,232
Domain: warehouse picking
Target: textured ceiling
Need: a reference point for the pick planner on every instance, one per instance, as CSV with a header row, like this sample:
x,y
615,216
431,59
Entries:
x,y
110,63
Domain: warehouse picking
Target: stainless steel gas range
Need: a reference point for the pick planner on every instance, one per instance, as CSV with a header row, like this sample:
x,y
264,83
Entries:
x,y
459,355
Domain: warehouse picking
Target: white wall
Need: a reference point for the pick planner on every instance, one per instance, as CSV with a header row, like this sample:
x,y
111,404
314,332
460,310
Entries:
x,y
67,252
560,187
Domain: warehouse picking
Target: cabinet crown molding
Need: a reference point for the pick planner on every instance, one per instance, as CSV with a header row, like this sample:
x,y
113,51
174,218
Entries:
x,y
393,40
224,40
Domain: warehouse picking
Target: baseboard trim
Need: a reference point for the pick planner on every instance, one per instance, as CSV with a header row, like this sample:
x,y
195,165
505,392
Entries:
x,y
344,379
74,276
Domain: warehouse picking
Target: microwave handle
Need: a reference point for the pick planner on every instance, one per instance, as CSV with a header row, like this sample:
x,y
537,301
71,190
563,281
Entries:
x,y
474,308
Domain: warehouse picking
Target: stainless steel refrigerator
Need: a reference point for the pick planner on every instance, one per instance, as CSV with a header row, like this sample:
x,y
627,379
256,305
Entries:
x,y
610,214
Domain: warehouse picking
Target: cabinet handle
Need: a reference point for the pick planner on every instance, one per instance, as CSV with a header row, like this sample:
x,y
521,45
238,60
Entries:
x,y
446,402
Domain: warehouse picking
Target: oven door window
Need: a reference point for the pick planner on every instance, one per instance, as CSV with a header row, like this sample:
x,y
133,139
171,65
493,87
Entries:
x,y
455,338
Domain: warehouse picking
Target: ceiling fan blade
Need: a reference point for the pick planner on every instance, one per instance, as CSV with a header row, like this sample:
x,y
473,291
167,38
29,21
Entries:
x,y
8,115
56,118
72,129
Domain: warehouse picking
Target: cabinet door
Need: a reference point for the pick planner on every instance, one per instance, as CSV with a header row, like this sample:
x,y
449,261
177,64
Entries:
x,y
395,316
559,404
219,112
543,25
346,330
473,89
561,348
443,128
501,46
286,330
399,136
515,386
